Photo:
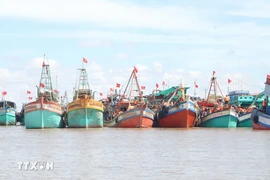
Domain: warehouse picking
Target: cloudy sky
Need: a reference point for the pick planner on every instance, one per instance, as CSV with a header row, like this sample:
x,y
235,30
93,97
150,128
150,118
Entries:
x,y
166,40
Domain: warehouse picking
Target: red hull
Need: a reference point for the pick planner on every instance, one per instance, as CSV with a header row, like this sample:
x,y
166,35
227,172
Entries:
x,y
182,119
259,127
134,122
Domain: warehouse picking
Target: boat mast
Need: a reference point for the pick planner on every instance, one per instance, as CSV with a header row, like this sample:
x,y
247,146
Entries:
x,y
214,83
141,101
130,78
83,85
45,80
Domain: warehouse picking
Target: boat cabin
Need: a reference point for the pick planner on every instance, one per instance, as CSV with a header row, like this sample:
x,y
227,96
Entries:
x,y
5,104
82,93
244,98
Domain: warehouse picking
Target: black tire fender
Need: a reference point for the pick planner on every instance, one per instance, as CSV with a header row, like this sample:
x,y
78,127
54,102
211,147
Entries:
x,y
256,119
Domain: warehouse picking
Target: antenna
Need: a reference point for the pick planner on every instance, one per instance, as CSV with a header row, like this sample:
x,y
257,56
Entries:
x,y
56,83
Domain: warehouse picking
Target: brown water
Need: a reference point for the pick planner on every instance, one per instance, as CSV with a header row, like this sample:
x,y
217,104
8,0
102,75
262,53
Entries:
x,y
108,153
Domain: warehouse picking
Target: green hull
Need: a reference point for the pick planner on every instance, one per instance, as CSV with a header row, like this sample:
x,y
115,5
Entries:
x,y
85,118
220,120
40,119
244,121
7,118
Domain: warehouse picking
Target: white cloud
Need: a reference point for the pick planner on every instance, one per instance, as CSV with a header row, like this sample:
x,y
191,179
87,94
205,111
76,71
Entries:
x,y
121,56
225,47
158,66
105,13
95,42
249,8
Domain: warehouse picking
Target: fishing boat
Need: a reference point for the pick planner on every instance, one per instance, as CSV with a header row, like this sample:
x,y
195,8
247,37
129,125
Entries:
x,y
130,109
84,111
213,114
261,117
7,111
244,101
45,111
177,109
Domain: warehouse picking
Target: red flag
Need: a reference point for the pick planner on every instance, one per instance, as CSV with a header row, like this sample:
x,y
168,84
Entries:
x,y
163,83
135,70
85,60
214,72
100,94
4,93
268,79
30,98
41,85
43,64
143,87
156,85
118,85
229,81
196,85
28,92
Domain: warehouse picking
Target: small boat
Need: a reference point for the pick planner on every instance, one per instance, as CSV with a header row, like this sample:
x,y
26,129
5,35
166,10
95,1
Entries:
x,y
129,110
84,111
45,111
213,113
179,114
261,117
7,112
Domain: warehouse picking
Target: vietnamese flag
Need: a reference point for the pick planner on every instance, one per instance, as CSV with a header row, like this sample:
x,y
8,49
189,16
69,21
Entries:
x,y
156,85
28,92
85,60
143,87
4,93
135,70
41,85
196,85
229,81
163,83
118,85
100,94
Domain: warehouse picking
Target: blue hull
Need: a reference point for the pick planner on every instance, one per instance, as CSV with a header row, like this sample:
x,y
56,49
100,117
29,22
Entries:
x,y
85,118
7,117
40,119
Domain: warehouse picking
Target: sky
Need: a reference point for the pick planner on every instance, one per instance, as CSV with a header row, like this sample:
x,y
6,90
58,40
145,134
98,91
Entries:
x,y
167,41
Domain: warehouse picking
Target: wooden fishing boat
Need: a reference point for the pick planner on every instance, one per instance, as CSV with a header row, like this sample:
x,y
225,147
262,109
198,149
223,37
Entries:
x,y
260,117
217,116
84,111
129,110
7,111
45,111
179,114
244,101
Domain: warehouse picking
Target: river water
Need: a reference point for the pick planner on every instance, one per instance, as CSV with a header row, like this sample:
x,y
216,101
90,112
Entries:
x,y
111,153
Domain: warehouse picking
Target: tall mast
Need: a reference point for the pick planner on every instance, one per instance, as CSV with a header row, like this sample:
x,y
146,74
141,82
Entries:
x,y
45,80
64,100
83,85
